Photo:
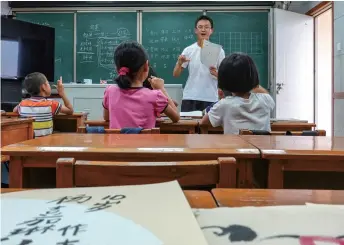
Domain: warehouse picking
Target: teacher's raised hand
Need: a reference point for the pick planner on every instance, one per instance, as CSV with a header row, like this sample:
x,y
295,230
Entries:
x,y
182,59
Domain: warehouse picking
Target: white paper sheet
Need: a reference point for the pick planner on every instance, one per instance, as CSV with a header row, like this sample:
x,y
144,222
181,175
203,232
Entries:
x,y
191,114
160,209
293,225
325,205
210,53
40,222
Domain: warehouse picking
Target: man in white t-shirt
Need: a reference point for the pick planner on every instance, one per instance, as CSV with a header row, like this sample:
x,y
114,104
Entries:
x,y
201,87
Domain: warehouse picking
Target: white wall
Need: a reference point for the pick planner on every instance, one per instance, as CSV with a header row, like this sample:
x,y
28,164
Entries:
x,y
5,9
338,67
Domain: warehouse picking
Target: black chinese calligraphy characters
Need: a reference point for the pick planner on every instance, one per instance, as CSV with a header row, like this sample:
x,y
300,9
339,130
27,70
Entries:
x,y
109,201
76,229
74,232
25,242
68,242
235,233
28,231
52,216
82,198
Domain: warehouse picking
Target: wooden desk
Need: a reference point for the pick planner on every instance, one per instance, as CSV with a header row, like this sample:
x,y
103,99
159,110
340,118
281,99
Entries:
x,y
196,199
301,154
275,126
62,122
43,152
7,190
292,126
200,199
14,130
183,126
69,123
260,197
208,129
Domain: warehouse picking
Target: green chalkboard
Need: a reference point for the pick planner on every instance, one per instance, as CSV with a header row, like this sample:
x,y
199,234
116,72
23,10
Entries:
x,y
64,39
244,32
165,35
98,34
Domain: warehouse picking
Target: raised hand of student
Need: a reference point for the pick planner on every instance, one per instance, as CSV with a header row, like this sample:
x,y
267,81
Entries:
x,y
60,88
182,59
213,71
156,83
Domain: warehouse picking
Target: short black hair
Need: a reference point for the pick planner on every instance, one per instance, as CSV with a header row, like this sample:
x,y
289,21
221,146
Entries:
x,y
132,55
204,17
146,83
238,74
33,82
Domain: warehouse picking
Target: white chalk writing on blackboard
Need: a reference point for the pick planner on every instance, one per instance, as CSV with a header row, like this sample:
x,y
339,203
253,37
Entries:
x,y
97,46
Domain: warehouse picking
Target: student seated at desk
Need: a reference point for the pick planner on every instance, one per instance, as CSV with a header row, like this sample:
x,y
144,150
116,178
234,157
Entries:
x,y
40,108
249,105
130,104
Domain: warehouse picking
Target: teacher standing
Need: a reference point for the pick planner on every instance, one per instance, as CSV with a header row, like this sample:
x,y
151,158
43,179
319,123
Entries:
x,y
201,87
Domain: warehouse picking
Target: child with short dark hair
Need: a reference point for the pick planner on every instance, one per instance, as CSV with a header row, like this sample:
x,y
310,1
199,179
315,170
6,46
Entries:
x,y
130,104
248,105
39,107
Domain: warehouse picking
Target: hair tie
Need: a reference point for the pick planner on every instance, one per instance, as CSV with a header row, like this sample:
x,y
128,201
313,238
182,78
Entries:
x,y
123,71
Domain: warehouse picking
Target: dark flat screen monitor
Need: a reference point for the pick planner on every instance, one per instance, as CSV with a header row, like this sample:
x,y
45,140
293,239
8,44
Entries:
x,y
26,48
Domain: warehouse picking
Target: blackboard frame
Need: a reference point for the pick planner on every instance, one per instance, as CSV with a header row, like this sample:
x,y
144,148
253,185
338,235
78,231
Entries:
x,y
52,4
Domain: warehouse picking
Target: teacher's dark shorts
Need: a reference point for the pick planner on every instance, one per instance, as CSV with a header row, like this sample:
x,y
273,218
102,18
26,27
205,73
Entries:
x,y
194,105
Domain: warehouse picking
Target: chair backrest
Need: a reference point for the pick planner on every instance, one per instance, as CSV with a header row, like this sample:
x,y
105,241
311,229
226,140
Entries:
x,y
91,130
70,173
97,123
143,131
99,129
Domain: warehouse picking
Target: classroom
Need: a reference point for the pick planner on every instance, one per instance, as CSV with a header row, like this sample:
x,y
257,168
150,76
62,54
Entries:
x,y
212,116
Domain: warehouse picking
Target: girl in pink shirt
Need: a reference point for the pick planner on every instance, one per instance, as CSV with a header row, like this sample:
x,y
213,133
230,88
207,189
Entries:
x,y
129,104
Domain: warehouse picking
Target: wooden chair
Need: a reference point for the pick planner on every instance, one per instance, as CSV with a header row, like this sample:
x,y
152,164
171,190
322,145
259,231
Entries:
x,y
71,173
293,133
82,130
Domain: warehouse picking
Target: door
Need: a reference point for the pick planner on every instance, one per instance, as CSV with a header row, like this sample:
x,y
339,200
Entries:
x,y
293,65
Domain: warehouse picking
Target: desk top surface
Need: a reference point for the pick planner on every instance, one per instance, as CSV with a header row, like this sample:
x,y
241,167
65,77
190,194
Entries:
x,y
138,143
14,121
275,146
271,197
